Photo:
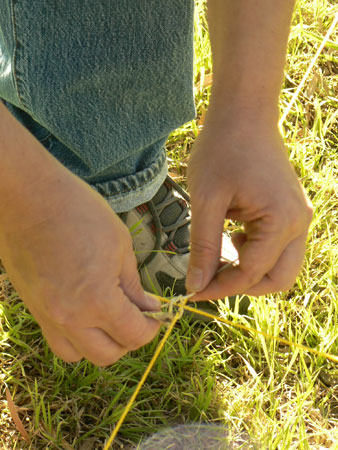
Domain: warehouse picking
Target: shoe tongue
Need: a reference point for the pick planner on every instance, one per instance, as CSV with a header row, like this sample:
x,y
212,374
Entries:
x,y
170,215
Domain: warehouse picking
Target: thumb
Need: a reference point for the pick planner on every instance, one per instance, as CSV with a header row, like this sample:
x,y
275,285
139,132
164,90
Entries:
x,y
207,224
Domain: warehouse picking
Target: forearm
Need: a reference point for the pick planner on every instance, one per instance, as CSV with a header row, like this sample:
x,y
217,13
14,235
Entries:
x,y
30,176
249,40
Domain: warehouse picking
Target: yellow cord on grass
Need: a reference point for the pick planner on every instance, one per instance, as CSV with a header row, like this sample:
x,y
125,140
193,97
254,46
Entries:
x,y
146,373
329,356
181,304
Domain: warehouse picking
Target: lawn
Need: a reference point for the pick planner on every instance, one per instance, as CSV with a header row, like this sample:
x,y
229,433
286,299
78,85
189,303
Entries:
x,y
262,391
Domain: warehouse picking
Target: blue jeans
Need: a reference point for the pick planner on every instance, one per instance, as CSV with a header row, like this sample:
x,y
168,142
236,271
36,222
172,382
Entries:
x,y
101,84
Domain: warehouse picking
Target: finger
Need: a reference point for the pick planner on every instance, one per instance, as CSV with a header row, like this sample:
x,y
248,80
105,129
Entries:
x,y
283,274
122,320
131,285
255,262
257,256
96,346
60,345
206,240
279,278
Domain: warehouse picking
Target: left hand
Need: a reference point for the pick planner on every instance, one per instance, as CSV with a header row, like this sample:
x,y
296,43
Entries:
x,y
239,170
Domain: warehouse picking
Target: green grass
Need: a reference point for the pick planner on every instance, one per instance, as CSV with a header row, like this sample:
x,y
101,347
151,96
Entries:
x,y
279,396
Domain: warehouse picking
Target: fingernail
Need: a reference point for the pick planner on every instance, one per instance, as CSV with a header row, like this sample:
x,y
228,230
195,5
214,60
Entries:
x,y
153,303
194,281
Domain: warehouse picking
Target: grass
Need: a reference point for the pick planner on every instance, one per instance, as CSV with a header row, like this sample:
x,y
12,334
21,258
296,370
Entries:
x,y
279,396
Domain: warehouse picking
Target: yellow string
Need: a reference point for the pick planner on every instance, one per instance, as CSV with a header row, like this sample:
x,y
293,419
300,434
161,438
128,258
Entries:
x,y
144,376
253,330
182,305
220,319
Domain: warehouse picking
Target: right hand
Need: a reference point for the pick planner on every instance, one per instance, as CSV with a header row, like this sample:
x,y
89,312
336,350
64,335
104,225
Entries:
x,y
239,170
70,258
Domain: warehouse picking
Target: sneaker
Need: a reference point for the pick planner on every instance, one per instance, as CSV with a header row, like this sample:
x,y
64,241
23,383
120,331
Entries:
x,y
161,236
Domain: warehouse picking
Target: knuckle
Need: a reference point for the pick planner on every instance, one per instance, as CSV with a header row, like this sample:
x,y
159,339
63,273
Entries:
x,y
137,344
133,285
203,247
136,341
135,330
299,215
282,284
252,276
287,286
68,357
106,360
309,213
71,359
304,214
142,336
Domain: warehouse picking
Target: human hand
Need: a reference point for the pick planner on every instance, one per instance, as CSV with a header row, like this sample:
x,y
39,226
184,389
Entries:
x,y
240,171
71,260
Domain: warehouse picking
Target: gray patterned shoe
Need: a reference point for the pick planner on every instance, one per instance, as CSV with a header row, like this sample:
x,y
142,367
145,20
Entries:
x,y
160,232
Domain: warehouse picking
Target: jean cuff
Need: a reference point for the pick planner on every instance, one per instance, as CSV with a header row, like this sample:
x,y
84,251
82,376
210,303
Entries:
x,y
130,191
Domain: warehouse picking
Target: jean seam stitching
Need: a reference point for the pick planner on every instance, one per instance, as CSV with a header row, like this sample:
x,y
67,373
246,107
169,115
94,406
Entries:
x,y
14,53
15,37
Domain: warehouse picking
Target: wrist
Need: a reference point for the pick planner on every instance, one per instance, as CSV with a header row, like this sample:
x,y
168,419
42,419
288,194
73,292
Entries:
x,y
28,173
37,203
236,112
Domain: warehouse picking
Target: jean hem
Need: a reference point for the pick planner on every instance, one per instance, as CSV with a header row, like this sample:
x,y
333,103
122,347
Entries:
x,y
128,192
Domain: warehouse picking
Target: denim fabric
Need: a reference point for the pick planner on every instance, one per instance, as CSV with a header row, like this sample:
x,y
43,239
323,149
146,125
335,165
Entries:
x,y
101,84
